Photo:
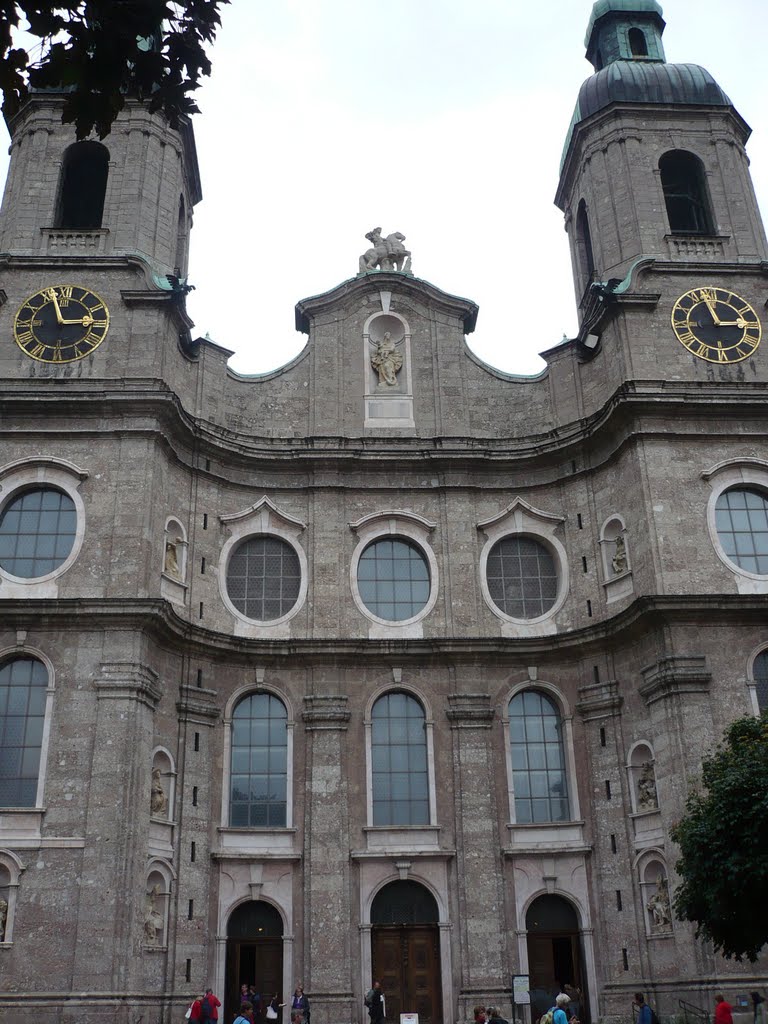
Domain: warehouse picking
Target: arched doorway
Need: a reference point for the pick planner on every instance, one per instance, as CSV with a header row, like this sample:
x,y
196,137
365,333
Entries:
x,y
405,950
554,955
254,954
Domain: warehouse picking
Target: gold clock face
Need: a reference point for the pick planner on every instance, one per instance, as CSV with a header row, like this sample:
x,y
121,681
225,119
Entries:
x,y
61,323
716,324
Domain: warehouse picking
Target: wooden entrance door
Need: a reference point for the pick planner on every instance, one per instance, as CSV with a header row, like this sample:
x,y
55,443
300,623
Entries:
x,y
406,959
258,961
554,960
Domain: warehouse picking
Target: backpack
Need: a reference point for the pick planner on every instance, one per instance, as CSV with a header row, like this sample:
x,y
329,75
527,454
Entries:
x,y
368,1000
548,1017
206,1010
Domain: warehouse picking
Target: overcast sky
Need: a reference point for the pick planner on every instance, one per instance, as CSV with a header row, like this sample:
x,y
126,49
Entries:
x,y
443,119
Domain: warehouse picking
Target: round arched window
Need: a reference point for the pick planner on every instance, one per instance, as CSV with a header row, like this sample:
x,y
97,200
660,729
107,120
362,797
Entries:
x,y
522,577
393,579
741,517
37,532
264,578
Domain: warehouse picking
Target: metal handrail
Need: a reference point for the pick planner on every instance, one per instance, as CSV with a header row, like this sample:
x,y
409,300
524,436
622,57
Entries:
x,y
700,1015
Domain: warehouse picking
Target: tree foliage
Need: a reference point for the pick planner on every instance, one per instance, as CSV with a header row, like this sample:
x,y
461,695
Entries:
x,y
101,51
723,839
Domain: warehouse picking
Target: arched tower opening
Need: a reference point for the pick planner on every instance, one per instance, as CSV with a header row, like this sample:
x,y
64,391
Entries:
x,y
82,186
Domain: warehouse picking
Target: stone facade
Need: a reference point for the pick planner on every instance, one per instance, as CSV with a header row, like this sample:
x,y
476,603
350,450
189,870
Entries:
x,y
121,900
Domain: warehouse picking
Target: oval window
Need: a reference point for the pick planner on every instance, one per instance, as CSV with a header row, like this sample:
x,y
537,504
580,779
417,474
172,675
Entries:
x,y
393,579
522,577
264,578
37,532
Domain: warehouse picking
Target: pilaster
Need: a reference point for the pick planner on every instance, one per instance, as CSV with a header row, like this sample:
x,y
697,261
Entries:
x,y
108,945
480,888
327,897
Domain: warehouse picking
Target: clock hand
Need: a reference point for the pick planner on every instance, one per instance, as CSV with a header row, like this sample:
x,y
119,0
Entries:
x,y
52,294
85,321
711,307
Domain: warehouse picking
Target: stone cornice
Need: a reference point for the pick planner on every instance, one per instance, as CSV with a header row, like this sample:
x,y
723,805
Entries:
x,y
668,409
326,711
159,621
197,705
128,681
470,711
675,676
399,284
599,700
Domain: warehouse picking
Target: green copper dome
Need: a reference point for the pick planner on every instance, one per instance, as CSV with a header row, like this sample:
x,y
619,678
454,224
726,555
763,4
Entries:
x,y
624,45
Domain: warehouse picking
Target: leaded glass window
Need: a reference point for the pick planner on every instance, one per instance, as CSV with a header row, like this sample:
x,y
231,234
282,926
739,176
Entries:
x,y
760,673
264,578
538,764
399,761
23,687
259,770
741,517
393,579
522,577
37,531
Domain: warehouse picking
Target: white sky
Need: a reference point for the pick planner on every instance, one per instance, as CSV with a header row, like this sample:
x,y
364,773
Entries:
x,y
443,119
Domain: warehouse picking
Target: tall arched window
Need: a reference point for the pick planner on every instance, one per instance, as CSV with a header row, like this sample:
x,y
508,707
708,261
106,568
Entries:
x,y
23,686
181,238
760,674
259,769
83,186
584,244
538,762
399,761
685,193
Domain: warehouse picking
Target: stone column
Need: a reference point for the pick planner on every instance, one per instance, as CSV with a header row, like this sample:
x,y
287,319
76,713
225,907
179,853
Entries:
x,y
327,898
108,953
481,929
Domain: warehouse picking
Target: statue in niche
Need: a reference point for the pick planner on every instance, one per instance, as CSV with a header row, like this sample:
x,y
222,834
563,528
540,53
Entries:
x,y
647,798
158,803
171,561
153,919
386,361
619,560
3,917
387,253
659,907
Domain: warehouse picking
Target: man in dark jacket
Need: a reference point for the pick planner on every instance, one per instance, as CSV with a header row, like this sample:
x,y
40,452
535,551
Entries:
x,y
375,1003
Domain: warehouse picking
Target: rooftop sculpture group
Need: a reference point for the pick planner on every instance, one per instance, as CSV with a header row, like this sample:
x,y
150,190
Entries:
x,y
387,253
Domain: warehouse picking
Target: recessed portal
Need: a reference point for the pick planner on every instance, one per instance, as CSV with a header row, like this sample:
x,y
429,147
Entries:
x,y
405,951
554,955
254,954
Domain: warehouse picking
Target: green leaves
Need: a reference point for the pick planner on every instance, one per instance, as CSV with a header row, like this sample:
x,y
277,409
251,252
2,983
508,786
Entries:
x,y
723,840
100,52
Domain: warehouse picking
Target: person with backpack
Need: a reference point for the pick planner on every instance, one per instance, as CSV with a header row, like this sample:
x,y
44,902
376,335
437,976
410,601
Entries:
x,y
645,1014
209,1009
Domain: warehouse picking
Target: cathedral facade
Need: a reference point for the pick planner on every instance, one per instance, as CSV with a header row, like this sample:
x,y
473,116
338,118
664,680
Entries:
x,y
385,663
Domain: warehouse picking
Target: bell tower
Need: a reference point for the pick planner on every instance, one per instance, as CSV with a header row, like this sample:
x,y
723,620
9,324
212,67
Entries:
x,y
131,194
654,164
94,240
